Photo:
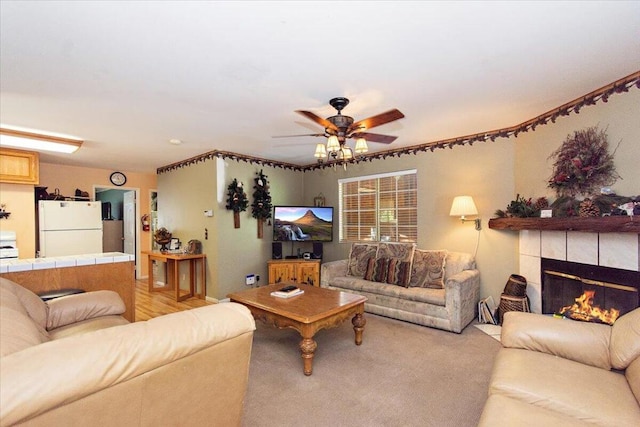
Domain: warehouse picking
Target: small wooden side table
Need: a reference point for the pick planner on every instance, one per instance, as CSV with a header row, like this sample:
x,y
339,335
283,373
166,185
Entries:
x,y
172,272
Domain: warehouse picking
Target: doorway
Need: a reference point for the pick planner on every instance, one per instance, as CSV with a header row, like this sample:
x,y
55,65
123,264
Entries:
x,y
121,233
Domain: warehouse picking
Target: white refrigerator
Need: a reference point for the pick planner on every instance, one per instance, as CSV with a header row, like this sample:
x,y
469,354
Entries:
x,y
69,227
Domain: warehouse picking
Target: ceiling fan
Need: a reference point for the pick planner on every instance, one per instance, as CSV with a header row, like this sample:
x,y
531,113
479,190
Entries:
x,y
339,128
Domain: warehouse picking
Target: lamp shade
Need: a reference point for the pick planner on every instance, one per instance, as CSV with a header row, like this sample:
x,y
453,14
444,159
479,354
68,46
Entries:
x,y
361,146
463,205
333,144
347,154
321,152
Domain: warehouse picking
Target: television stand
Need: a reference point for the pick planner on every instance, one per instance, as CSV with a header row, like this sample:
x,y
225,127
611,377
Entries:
x,y
294,271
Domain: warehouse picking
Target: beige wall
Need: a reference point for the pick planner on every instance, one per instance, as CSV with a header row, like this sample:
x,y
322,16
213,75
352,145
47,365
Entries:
x,y
20,199
183,196
619,116
483,171
492,172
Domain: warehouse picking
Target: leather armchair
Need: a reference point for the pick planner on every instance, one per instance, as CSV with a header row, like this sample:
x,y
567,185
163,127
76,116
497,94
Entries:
x,y
74,362
563,372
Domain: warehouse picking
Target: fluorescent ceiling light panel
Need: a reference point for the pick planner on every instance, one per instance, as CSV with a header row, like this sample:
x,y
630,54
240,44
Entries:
x,y
38,141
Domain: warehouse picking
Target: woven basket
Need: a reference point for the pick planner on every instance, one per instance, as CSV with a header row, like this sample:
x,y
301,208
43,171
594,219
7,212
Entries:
x,y
511,303
516,286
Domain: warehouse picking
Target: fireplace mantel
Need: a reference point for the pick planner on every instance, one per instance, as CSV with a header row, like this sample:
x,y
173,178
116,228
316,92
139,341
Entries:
x,y
607,224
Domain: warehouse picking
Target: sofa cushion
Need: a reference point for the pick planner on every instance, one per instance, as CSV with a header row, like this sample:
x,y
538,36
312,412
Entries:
x,y
34,306
398,272
577,390
359,257
633,377
376,269
624,347
89,325
17,329
75,308
504,411
458,262
428,269
422,295
388,270
400,251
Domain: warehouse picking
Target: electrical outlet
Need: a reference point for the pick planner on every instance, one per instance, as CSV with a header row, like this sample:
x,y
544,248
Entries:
x,y
251,279
257,278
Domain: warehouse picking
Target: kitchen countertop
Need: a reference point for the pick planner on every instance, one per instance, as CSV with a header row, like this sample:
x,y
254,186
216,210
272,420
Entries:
x,y
11,265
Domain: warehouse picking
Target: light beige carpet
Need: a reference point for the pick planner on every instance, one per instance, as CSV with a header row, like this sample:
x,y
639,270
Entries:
x,y
401,375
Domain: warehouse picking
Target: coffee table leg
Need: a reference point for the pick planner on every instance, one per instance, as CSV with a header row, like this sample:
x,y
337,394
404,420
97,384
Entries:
x,y
308,347
358,322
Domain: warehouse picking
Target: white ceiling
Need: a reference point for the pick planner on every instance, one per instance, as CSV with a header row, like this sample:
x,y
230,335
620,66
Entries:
x,y
128,76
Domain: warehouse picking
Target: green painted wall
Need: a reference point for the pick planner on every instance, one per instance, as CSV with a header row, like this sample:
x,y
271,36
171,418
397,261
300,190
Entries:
x,y
493,173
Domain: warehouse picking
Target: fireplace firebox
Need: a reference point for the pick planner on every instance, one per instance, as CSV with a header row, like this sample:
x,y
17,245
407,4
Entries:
x,y
588,292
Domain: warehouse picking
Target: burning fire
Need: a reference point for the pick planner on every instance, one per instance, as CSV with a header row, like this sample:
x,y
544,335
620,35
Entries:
x,y
583,309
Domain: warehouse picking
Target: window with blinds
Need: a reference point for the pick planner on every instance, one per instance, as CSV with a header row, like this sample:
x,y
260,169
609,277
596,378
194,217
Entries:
x,y
379,208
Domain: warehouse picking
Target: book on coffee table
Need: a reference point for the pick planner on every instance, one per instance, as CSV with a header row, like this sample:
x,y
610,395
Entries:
x,y
287,292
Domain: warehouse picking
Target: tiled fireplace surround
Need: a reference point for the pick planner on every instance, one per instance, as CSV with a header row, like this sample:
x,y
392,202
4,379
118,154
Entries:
x,y
615,250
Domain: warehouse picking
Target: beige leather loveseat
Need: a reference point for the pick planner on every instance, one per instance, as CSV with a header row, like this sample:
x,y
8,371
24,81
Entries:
x,y
442,290
75,361
557,372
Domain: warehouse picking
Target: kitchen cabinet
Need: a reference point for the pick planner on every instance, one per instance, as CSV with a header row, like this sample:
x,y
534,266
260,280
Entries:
x,y
19,167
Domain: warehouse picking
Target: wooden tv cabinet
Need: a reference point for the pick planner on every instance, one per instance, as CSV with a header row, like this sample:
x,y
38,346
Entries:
x,y
294,271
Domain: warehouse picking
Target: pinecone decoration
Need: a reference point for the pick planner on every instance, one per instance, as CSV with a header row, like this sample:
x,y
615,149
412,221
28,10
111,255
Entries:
x,y
541,203
588,208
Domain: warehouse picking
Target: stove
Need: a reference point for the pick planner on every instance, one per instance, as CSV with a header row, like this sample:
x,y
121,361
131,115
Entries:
x,y
8,246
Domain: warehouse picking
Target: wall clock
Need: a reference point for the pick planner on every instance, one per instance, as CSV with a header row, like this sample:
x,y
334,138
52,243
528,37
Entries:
x,y
118,178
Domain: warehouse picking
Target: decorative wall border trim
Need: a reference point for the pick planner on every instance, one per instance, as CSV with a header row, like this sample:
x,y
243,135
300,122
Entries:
x,y
227,155
598,95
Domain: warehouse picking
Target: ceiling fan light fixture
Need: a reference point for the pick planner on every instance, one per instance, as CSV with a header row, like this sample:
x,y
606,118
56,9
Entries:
x,y
347,154
321,152
361,146
333,144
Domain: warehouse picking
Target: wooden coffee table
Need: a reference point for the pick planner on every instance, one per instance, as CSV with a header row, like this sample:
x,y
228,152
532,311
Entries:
x,y
316,309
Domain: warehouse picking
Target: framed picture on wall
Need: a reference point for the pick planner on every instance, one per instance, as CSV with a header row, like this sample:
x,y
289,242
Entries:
x,y
319,200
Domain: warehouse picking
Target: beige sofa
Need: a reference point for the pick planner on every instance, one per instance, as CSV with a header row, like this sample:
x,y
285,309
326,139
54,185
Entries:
x,y
450,306
75,361
556,372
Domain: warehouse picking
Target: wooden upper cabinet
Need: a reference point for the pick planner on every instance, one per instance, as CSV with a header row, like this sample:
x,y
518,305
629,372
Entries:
x,y
19,167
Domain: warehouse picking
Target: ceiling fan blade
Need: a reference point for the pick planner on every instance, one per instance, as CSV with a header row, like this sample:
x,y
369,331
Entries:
x,y
319,120
377,120
292,136
375,137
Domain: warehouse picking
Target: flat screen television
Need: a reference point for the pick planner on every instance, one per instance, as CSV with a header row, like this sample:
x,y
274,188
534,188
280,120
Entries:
x,y
302,224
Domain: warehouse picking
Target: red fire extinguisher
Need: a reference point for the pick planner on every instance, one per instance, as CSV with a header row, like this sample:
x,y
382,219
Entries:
x,y
145,222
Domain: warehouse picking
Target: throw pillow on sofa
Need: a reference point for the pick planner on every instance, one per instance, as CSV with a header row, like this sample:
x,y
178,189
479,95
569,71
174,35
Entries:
x,y
428,269
359,257
388,270
401,251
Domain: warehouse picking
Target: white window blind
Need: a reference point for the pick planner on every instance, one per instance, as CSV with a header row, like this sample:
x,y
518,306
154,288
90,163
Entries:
x,y
380,208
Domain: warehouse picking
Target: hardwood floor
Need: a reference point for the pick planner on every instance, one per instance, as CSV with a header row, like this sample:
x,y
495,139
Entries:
x,y
150,305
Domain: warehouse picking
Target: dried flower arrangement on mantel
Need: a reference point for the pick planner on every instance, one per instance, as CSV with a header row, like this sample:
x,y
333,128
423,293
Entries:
x,y
583,164
582,167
